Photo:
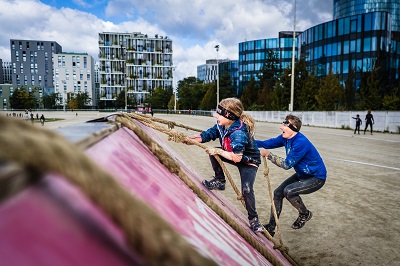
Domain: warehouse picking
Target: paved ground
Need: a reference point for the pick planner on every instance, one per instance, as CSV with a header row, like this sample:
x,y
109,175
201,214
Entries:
x,y
356,214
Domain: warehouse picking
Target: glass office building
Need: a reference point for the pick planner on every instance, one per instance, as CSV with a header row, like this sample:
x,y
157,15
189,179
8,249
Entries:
x,y
230,67
361,33
354,42
346,8
253,55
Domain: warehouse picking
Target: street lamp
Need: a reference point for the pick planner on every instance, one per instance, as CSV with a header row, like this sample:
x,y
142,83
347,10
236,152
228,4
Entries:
x,y
293,49
217,48
173,69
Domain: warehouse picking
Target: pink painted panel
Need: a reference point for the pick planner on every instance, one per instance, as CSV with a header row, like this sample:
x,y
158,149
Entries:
x,y
124,155
52,223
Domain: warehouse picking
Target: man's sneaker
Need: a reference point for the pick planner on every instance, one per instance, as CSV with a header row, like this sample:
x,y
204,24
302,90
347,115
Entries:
x,y
270,229
301,220
255,225
214,183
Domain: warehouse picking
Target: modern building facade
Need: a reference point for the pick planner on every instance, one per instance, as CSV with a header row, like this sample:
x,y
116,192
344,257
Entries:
x,y
32,65
133,62
347,8
6,73
208,71
361,33
253,55
232,68
73,74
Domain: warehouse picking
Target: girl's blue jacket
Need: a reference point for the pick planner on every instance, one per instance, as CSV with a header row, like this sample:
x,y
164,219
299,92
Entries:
x,y
236,139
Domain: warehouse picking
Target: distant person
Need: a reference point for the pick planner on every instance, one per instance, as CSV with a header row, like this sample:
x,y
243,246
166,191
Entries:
x,y
42,119
358,123
369,120
32,119
303,157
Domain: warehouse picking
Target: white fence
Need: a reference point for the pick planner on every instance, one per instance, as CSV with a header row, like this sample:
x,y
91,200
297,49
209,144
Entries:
x,y
385,121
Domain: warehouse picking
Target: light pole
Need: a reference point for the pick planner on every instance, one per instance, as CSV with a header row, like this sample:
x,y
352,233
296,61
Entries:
x,y
173,69
293,49
217,48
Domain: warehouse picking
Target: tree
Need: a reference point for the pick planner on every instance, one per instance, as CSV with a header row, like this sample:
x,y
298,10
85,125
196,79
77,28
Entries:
x,y
50,100
306,100
329,93
392,101
268,76
250,94
209,101
159,98
226,89
190,92
370,86
349,91
280,98
20,99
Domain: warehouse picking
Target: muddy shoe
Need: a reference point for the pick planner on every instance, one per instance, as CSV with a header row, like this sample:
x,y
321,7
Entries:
x,y
214,183
301,220
270,229
255,225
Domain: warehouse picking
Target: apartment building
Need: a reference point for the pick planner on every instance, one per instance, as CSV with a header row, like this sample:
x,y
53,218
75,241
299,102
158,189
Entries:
x,y
73,74
133,62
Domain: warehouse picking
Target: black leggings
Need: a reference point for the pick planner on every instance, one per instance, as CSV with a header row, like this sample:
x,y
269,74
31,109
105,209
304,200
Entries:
x,y
291,189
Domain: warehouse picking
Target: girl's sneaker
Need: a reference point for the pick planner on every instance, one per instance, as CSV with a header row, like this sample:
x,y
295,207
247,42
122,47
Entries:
x,y
255,225
214,183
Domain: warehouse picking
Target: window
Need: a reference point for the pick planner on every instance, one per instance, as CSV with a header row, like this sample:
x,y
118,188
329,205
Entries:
x,y
367,45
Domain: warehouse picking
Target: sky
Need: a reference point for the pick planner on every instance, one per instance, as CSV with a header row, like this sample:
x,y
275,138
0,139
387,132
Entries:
x,y
195,27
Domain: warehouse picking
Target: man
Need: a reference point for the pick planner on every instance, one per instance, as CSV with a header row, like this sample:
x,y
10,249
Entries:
x,y
310,170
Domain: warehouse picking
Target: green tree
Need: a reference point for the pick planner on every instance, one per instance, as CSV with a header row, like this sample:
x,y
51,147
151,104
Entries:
x,y
83,99
209,101
159,98
306,100
50,100
226,89
250,94
190,92
349,91
370,86
268,77
392,100
20,99
330,93
280,99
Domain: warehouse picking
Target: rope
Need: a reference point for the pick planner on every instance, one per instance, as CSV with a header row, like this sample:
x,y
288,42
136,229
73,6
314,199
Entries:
x,y
279,245
179,137
34,148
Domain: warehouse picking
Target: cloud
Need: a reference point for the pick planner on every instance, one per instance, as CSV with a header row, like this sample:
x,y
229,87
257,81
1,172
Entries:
x,y
194,26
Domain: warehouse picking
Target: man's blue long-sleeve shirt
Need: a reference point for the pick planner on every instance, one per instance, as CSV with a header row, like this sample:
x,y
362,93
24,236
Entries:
x,y
300,154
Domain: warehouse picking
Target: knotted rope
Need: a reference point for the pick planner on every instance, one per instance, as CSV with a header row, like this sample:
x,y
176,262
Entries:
x,y
180,137
34,148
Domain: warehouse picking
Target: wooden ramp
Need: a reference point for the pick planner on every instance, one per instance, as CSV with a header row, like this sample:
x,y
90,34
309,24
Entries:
x,y
53,223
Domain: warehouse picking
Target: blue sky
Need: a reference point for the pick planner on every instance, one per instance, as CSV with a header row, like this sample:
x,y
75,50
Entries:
x,y
194,26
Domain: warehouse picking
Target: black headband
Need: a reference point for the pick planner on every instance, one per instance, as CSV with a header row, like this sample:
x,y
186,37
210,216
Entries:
x,y
289,125
225,113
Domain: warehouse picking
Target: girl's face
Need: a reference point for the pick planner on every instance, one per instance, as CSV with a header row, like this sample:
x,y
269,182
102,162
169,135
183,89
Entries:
x,y
223,121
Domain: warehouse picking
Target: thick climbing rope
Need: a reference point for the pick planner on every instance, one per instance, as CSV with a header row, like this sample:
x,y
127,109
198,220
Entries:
x,y
266,174
180,137
32,151
125,120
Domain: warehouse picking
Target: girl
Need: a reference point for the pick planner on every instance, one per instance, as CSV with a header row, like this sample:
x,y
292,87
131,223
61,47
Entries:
x,y
235,131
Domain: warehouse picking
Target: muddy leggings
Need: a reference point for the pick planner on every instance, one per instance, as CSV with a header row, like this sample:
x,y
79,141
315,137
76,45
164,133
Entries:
x,y
291,189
